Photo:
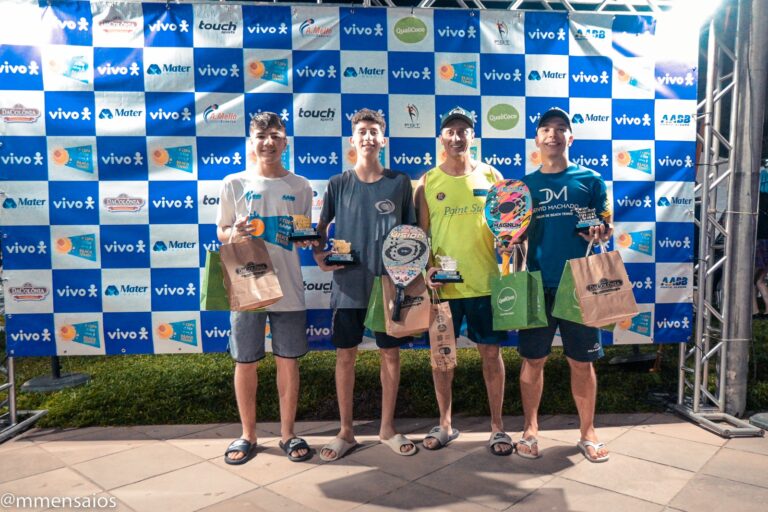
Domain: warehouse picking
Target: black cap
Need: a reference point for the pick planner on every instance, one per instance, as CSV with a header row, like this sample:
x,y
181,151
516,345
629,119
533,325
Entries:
x,y
457,113
554,112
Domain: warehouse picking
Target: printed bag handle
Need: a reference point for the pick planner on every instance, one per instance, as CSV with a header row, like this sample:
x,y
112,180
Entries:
x,y
603,247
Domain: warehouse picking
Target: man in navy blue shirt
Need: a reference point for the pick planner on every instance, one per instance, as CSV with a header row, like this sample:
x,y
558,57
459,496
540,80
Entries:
x,y
557,187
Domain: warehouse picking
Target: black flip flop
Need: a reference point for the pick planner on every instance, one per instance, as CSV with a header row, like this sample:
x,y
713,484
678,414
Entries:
x,y
240,446
294,444
499,438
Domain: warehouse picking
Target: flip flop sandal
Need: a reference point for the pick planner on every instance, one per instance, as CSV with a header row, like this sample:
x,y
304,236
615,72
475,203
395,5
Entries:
x,y
531,442
240,446
295,444
397,441
500,438
339,446
583,445
441,436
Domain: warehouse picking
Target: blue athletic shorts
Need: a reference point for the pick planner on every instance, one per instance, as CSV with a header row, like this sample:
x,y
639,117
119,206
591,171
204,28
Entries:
x,y
479,316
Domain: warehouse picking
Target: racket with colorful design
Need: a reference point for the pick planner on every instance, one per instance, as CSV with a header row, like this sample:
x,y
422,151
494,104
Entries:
x,y
405,254
508,209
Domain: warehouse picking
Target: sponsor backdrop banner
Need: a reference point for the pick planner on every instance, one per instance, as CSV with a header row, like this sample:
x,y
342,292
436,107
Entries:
x,y
119,120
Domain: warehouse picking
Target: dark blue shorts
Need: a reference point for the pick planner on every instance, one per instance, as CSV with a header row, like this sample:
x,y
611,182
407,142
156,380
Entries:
x,y
479,316
348,328
580,343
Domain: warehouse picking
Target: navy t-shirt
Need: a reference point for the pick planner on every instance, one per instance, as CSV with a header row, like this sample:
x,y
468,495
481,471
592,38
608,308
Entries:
x,y
552,236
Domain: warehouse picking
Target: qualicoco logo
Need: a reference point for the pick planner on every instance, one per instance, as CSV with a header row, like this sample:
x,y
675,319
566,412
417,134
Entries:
x,y
268,29
584,78
503,116
212,116
209,70
364,71
123,203
157,69
410,30
645,120
77,204
14,159
447,31
377,30
113,159
674,283
309,158
225,28
503,30
162,115
115,248
65,115
110,70
507,299
33,68
328,114
19,114
188,202
28,292
159,26
309,28
636,203
674,201
549,35
118,112
404,158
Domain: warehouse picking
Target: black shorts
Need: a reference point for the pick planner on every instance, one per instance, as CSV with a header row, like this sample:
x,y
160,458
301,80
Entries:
x,y
347,330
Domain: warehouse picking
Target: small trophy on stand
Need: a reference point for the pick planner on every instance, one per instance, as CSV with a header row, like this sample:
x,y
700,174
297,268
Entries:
x,y
341,254
587,218
302,229
448,272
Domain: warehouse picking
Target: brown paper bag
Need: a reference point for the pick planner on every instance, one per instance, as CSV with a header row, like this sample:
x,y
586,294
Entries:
x,y
603,289
442,340
414,315
249,277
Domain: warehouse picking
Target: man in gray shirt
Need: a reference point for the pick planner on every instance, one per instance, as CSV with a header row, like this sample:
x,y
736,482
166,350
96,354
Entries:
x,y
366,203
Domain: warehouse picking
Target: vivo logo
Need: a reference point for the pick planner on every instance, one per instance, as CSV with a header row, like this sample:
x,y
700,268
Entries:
x,y
424,74
109,69
175,290
14,159
667,242
402,158
159,26
20,69
78,204
61,114
209,70
627,201
259,29
637,121
45,335
551,36
217,333
673,324
115,247
307,71
81,24
184,115
354,30
449,32
309,158
17,248
68,291
318,331
119,334
219,160
515,76
113,159
188,202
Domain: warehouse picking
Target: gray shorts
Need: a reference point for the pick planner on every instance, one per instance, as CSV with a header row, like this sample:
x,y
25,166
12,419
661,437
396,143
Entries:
x,y
288,330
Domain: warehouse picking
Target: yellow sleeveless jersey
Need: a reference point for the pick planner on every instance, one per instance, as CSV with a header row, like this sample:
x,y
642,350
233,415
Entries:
x,y
458,228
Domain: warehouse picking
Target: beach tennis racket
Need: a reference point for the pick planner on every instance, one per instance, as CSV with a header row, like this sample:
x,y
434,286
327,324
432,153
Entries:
x,y
508,209
405,254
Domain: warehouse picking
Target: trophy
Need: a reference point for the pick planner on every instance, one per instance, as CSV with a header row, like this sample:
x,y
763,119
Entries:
x,y
341,254
302,229
587,218
448,272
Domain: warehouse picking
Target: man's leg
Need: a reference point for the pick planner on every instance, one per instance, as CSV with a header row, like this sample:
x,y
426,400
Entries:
x,y
443,381
531,387
390,383
345,389
493,374
246,383
288,392
584,389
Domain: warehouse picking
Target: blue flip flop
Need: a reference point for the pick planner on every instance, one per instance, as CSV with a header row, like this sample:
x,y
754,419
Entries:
x,y
294,444
240,446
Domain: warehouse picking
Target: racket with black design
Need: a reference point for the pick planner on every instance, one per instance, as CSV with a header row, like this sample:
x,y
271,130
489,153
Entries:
x,y
508,209
405,254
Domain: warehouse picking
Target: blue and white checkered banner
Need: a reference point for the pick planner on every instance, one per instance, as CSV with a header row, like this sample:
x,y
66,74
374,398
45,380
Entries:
x,y
119,120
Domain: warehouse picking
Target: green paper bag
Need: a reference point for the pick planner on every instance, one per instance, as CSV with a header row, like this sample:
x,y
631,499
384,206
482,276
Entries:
x,y
517,300
213,295
374,317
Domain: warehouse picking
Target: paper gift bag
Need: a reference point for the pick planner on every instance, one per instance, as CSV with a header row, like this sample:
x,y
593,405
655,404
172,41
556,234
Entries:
x,y
517,300
213,294
566,304
442,339
414,315
374,316
249,277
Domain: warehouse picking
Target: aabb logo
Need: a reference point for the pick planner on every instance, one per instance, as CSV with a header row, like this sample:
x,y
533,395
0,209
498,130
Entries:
x,y
21,335
447,31
164,115
19,114
404,158
188,202
377,30
643,285
225,28
310,72
506,76
647,202
17,248
81,25
119,334
113,159
71,115
310,158
208,70
665,323
676,119
674,282
33,68
15,159
268,29
212,158
415,74
77,204
157,69
496,160
590,161
211,114
69,291
645,120
123,203
328,114
586,78
28,292
159,26
166,290
109,70
107,113
310,28
668,161
581,34
668,79
541,35
125,247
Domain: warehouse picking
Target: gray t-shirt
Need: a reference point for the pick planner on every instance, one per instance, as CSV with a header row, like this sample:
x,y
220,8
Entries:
x,y
365,213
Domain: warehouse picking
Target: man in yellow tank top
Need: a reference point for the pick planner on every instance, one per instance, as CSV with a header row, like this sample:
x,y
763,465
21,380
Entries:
x,y
450,199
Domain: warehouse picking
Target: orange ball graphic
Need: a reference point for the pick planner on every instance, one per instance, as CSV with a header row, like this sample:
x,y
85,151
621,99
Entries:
x,y
160,156
60,156
352,156
67,332
536,158
623,158
256,68
164,331
257,226
624,240
625,324
63,245
623,76
447,72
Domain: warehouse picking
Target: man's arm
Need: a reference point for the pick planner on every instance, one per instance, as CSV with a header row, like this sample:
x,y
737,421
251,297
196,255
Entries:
x,y
323,224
